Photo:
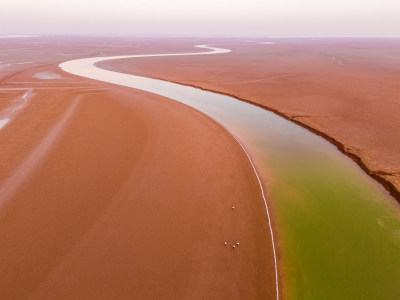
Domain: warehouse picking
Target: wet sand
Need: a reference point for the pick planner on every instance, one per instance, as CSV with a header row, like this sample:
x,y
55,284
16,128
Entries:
x,y
108,192
346,90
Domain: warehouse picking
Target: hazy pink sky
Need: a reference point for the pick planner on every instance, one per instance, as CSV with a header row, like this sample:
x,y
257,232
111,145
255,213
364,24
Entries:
x,y
206,17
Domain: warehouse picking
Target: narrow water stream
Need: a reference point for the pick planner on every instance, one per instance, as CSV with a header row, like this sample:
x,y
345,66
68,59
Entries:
x,y
338,230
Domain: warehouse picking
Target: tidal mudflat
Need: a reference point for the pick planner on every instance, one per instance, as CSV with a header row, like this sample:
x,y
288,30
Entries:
x,y
111,192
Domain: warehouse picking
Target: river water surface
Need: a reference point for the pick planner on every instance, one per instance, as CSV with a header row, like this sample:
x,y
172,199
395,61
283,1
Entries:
x,y
338,231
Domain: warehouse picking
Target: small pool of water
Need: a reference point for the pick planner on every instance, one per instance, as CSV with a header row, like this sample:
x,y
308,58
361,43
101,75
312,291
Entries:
x,y
46,75
3,122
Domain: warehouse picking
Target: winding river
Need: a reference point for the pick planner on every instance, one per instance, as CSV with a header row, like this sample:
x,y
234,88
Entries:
x,y
338,230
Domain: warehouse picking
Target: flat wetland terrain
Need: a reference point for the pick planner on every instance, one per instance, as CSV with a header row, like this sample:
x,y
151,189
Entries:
x,y
109,192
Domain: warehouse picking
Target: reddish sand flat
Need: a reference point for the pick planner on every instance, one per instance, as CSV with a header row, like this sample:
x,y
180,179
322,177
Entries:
x,y
112,193
346,90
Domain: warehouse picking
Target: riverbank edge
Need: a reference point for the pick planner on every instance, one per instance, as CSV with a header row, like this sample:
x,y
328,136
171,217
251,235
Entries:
x,y
377,176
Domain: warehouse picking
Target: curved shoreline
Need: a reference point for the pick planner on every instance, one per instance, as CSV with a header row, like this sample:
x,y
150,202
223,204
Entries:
x,y
388,185
215,51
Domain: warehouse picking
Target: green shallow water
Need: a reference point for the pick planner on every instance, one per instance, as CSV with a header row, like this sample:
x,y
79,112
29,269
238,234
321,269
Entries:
x,y
338,232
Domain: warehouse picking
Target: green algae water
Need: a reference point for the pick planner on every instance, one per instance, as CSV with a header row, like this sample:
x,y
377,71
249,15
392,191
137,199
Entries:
x,y
338,232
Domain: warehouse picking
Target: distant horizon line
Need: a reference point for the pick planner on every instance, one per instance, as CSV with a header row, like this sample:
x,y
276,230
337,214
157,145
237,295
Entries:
x,y
11,35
